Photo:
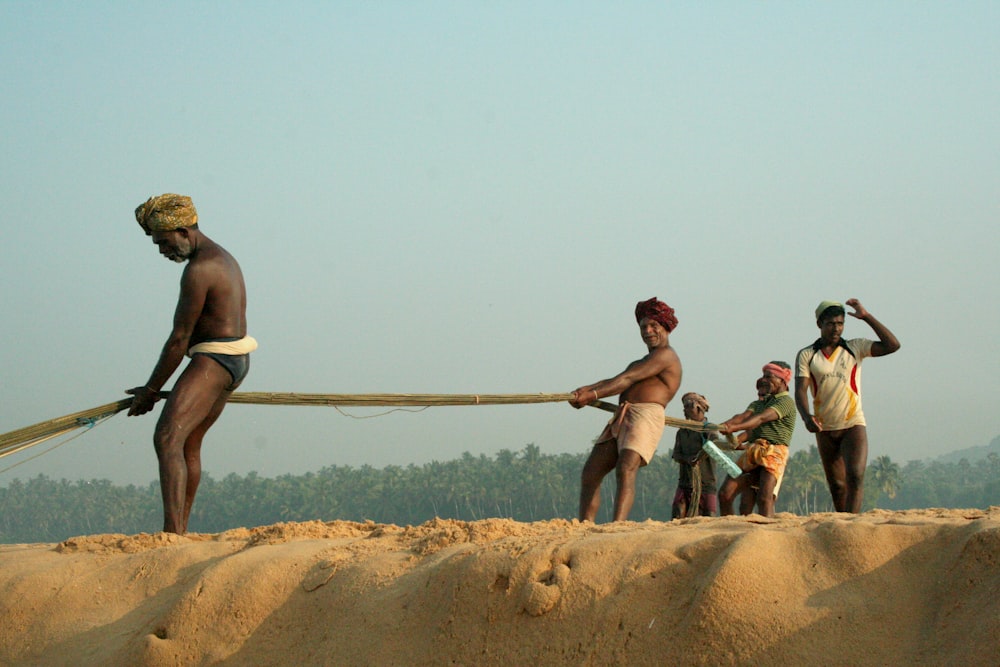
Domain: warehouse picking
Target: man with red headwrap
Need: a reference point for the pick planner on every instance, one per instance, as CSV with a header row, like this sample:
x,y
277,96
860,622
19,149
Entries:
x,y
630,439
770,422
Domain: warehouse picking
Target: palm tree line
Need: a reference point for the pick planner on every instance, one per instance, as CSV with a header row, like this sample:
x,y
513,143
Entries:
x,y
525,486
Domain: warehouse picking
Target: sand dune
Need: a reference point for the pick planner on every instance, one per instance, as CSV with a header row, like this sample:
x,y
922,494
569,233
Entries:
x,y
882,588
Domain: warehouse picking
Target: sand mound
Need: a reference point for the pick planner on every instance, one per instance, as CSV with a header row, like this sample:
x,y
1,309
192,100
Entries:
x,y
882,588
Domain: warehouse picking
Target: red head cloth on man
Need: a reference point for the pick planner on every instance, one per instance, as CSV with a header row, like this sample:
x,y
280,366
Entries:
x,y
657,311
778,371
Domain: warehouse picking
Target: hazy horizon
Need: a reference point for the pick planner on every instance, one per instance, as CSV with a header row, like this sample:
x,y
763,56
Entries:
x,y
466,198
667,442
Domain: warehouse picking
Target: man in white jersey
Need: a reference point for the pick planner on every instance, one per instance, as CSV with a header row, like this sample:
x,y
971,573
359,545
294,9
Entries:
x,y
831,369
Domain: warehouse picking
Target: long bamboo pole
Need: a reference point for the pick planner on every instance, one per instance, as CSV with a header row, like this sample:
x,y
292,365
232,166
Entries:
x,y
9,442
383,400
14,441
669,421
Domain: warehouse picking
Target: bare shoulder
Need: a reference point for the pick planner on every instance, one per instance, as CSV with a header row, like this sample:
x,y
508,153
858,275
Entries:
x,y
664,360
215,258
666,355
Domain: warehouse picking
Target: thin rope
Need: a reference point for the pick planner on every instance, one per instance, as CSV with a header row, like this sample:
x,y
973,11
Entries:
x,y
695,503
13,440
89,425
20,439
37,441
380,414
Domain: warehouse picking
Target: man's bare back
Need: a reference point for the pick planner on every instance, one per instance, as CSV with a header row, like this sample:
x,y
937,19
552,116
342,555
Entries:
x,y
212,271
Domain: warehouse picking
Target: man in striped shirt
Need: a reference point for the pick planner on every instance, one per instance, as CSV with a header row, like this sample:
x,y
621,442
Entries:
x,y
831,369
770,423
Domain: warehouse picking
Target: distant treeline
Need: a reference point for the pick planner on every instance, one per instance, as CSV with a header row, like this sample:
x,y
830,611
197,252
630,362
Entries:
x,y
525,486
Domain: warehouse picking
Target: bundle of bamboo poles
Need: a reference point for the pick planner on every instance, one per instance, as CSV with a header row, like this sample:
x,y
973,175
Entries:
x,y
383,400
20,439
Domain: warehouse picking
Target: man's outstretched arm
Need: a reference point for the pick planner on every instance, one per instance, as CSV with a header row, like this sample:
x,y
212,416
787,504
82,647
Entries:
x,y
652,364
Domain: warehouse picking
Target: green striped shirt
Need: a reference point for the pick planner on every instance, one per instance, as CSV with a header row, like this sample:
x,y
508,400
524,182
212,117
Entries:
x,y
779,431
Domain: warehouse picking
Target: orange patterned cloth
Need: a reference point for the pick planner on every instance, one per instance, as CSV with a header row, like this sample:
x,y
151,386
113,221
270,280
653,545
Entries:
x,y
761,453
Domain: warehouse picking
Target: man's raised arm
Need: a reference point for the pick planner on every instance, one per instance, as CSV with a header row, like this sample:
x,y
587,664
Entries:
x,y
887,342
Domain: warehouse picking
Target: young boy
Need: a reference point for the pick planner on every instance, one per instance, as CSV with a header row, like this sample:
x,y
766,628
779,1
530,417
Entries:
x,y
696,480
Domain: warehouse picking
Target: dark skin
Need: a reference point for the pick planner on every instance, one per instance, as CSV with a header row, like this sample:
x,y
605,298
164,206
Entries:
x,y
654,378
693,412
212,304
844,452
763,479
745,485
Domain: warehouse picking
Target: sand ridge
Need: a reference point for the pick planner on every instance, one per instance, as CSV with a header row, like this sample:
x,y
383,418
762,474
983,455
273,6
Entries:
x,y
914,587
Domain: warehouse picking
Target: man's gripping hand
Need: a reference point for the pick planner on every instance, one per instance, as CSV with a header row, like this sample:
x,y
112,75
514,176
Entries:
x,y
583,396
143,400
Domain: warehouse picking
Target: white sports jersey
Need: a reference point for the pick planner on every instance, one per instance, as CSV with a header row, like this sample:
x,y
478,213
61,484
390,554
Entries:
x,y
835,382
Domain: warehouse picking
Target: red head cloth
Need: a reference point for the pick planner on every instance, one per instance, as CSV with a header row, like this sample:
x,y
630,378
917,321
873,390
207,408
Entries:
x,y
778,371
657,311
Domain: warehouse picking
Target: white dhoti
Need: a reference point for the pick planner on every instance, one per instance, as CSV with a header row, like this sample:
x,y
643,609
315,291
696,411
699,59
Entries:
x,y
635,426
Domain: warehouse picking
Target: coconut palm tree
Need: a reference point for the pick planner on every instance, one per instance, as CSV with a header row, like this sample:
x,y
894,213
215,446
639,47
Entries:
x,y
804,482
885,475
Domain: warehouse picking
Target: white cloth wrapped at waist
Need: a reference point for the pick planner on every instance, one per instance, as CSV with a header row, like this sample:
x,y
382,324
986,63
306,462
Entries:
x,y
244,345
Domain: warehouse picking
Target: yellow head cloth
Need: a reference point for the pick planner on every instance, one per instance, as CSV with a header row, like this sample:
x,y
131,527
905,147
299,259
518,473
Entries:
x,y
166,213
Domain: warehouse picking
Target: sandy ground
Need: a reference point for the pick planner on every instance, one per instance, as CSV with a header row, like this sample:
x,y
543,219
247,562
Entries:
x,y
883,588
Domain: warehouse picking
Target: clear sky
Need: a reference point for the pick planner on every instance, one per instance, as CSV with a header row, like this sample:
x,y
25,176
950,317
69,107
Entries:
x,y
463,197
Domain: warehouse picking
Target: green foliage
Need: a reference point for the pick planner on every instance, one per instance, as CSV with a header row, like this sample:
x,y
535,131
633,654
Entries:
x,y
43,510
525,486
803,489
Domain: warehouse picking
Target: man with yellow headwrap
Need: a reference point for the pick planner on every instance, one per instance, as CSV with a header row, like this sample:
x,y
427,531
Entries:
x,y
210,326
630,439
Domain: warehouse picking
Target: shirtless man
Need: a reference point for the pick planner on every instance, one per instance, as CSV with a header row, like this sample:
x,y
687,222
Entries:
x,y
831,369
209,326
630,439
